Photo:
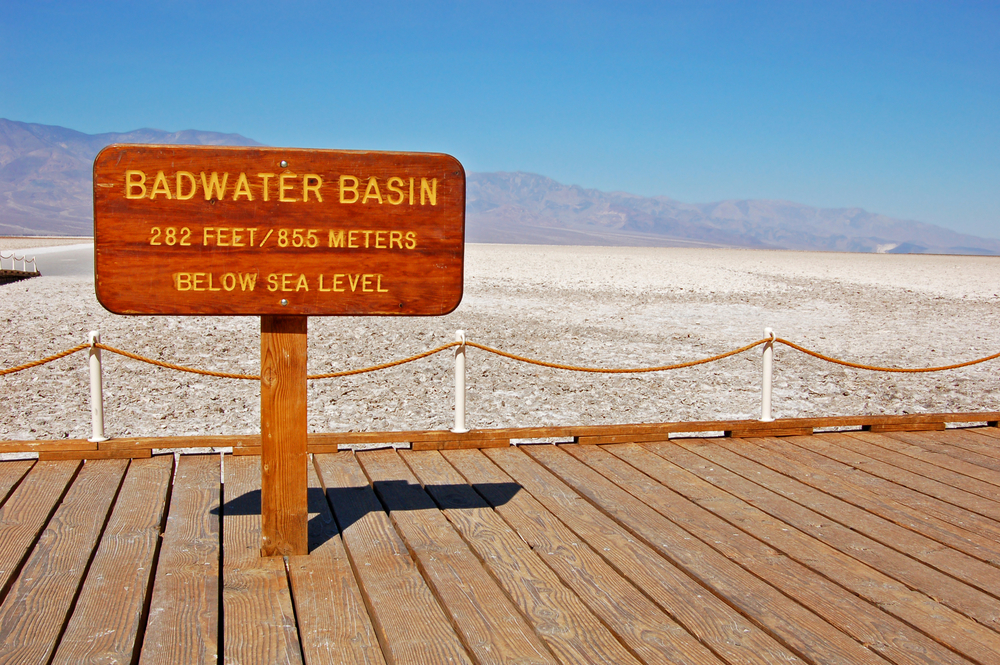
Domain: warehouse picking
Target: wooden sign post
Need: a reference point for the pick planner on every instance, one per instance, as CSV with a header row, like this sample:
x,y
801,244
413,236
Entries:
x,y
283,234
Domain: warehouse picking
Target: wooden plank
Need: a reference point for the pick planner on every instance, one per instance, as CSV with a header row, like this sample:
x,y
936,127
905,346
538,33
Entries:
x,y
392,586
970,439
864,536
811,469
910,444
386,230
11,474
26,512
334,626
948,503
52,455
874,580
35,610
183,624
283,425
47,446
459,445
708,618
321,442
488,623
700,481
883,448
794,625
570,630
947,444
772,431
863,621
911,541
107,620
904,427
195,441
259,621
642,626
249,450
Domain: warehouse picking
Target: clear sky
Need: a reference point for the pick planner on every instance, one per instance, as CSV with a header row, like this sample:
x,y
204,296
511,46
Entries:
x,y
889,106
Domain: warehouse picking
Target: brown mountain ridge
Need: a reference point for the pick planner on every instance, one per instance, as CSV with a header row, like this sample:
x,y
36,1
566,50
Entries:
x,y
45,189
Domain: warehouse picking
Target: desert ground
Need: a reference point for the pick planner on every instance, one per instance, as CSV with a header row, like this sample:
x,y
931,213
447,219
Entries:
x,y
593,306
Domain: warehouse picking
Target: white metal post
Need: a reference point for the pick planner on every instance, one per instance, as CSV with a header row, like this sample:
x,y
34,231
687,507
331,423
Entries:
x,y
460,427
96,389
765,384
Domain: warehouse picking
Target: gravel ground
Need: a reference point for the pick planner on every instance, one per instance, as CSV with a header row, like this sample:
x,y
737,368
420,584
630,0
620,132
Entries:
x,y
611,307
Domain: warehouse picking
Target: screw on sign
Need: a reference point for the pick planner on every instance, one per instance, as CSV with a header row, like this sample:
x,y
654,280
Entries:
x,y
283,234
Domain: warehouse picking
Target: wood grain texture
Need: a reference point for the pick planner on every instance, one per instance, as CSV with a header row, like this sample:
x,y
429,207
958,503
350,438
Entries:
x,y
916,490
908,444
410,245
897,539
25,513
661,485
708,618
961,441
259,621
107,619
864,442
643,627
183,624
334,626
283,425
327,442
869,581
559,617
50,455
792,624
862,536
490,625
394,590
39,602
798,464
11,473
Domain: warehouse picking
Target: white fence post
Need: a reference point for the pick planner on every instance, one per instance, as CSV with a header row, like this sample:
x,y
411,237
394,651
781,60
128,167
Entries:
x,y
768,370
96,390
460,427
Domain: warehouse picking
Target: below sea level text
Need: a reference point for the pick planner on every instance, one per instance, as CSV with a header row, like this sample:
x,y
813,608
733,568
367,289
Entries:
x,y
283,282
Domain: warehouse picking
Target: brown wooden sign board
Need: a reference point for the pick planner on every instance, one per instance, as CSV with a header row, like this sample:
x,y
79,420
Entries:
x,y
206,230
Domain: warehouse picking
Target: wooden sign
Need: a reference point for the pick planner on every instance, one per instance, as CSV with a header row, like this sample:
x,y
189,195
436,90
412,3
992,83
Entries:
x,y
273,231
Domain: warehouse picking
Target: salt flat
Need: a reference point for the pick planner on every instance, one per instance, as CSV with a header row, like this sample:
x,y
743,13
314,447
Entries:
x,y
611,307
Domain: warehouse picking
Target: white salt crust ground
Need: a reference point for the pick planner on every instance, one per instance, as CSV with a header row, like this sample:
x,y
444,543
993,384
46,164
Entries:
x,y
613,307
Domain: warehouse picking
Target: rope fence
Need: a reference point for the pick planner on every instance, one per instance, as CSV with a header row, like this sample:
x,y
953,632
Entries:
x,y
95,347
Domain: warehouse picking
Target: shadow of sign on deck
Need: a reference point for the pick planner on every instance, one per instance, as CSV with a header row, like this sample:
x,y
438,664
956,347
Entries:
x,y
394,495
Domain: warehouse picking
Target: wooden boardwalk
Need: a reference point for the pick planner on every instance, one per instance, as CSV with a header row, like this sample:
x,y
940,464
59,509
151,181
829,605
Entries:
x,y
849,547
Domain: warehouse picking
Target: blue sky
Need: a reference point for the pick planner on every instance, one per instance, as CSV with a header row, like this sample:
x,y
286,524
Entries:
x,y
889,106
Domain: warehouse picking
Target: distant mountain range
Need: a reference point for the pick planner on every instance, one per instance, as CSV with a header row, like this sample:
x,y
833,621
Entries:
x,y
45,189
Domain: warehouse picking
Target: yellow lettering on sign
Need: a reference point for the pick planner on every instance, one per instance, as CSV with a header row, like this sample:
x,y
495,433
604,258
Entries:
x,y
272,282
131,183
282,187
229,281
378,286
248,281
396,238
351,188
180,177
306,187
395,190
411,191
354,279
352,239
243,188
213,188
430,190
182,281
336,238
380,239
372,186
302,284
411,240
160,186
265,177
